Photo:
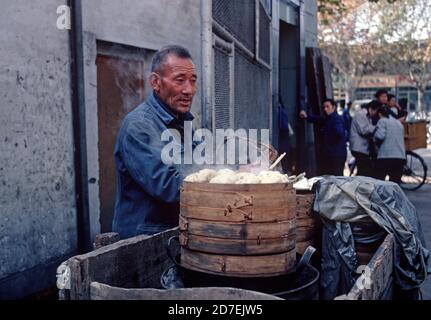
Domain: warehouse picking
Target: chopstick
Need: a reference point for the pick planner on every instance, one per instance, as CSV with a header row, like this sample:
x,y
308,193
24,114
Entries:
x,y
277,161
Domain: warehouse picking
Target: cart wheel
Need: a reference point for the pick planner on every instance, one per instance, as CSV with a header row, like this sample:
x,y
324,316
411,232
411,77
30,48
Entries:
x,y
414,172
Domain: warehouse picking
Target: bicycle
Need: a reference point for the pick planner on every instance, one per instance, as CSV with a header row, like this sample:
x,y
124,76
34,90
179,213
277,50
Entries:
x,y
414,171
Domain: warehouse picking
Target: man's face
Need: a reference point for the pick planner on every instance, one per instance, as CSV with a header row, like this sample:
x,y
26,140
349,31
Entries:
x,y
176,83
383,98
372,112
328,108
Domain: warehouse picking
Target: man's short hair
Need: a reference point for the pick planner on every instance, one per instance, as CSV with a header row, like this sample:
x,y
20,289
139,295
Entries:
x,y
331,101
380,92
161,56
390,96
374,105
384,111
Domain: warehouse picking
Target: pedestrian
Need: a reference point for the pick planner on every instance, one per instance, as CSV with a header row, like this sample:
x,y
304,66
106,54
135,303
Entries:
x,y
347,118
361,133
389,137
395,109
334,138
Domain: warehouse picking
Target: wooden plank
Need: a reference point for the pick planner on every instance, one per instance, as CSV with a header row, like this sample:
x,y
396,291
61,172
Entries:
x,y
373,283
238,246
239,266
101,291
105,239
238,230
135,262
327,77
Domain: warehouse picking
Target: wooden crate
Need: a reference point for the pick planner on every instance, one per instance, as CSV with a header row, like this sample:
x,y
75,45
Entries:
x,y
376,282
415,135
131,269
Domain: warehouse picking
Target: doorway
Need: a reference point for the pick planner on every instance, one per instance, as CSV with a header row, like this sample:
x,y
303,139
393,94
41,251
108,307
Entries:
x,y
121,86
288,86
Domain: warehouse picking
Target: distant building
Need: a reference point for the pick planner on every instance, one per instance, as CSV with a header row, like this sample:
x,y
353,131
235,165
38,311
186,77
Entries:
x,y
400,86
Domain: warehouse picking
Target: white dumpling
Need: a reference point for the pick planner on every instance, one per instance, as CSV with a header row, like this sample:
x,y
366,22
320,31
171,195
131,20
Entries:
x,y
191,177
204,175
207,174
194,177
225,171
242,175
247,178
224,178
272,177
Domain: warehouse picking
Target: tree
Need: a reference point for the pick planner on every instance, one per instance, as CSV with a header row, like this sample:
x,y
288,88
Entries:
x,y
346,37
391,37
405,33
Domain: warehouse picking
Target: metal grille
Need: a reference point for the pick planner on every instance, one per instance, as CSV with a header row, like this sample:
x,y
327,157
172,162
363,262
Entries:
x,y
252,94
221,89
264,35
237,16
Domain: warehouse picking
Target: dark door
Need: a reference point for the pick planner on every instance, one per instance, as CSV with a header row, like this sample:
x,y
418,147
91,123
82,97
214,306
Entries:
x,y
120,88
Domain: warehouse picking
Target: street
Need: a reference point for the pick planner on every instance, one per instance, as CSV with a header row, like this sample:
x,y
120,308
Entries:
x,y
422,201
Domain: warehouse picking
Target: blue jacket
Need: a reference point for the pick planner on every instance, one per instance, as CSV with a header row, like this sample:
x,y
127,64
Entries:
x,y
148,190
334,134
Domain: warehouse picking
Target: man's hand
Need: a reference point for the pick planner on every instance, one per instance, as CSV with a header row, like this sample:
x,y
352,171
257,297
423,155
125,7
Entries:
x,y
303,114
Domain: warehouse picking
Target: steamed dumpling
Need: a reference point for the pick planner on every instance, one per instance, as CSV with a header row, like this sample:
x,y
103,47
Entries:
x,y
225,171
247,178
224,178
272,177
207,174
204,175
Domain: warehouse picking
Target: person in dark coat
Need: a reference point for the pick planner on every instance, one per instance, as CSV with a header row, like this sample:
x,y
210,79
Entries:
x,y
334,138
347,118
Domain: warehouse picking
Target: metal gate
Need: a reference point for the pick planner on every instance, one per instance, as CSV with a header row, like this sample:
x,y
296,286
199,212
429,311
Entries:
x,y
241,64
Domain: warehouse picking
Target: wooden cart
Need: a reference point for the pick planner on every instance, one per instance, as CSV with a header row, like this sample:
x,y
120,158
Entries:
x,y
115,271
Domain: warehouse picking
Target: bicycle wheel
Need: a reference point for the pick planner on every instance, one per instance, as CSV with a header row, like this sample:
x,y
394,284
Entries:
x,y
414,172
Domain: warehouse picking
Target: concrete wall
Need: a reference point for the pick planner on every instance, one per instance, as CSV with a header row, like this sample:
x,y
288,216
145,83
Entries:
x,y
310,22
37,205
145,24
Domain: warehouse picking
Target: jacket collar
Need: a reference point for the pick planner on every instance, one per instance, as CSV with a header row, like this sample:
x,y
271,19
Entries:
x,y
333,114
165,113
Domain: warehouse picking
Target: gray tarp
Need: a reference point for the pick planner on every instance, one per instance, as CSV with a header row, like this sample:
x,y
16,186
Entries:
x,y
340,200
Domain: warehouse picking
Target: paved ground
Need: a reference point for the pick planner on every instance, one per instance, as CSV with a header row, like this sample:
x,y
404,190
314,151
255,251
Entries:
x,y
422,200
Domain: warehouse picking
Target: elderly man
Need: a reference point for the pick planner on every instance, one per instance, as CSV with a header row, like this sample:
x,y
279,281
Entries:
x,y
147,200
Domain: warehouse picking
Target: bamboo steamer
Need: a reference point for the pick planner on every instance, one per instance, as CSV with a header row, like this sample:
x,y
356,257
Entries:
x,y
308,222
239,266
241,230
